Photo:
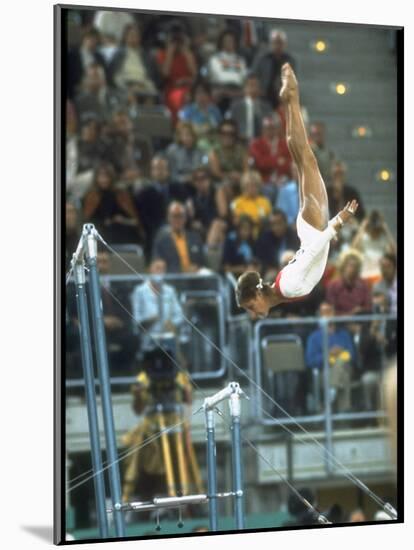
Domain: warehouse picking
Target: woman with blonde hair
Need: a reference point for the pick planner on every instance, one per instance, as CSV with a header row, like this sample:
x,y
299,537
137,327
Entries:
x,y
349,293
252,203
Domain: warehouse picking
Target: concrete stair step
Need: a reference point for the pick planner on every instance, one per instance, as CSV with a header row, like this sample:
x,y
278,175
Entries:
x,y
362,96
344,66
340,38
375,150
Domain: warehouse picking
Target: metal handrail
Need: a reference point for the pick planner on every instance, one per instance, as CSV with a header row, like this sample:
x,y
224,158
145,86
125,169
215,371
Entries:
x,y
334,319
327,416
222,343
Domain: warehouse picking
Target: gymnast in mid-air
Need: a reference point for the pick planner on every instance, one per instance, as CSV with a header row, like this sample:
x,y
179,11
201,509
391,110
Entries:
x,y
298,278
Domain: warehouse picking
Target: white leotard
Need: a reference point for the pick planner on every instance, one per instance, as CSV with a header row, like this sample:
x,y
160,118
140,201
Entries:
x,y
305,270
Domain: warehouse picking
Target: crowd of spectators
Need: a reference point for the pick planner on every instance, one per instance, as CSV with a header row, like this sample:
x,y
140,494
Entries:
x,y
221,192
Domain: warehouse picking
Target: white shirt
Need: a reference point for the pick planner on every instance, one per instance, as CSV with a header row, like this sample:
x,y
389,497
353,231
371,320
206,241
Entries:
x,y
373,250
227,68
163,305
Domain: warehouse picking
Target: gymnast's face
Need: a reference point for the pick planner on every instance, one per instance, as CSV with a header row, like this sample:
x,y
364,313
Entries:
x,y
258,307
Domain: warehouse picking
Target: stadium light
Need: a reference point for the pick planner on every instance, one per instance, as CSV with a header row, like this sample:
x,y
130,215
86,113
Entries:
x,y
361,132
341,88
385,175
319,46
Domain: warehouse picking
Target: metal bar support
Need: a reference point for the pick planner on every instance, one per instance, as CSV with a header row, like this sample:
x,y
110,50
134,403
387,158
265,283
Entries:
x,y
235,411
103,372
87,365
211,470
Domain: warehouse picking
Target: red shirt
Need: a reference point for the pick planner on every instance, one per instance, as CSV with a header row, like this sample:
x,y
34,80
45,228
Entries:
x,y
345,298
179,67
268,161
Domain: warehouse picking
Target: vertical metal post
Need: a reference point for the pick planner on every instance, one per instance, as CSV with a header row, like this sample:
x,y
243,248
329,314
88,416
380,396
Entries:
x,y
183,464
211,470
327,396
166,452
105,387
237,460
87,365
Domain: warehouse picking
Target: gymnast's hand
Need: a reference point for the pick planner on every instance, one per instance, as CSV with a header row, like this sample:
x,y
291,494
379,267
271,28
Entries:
x,y
345,214
348,211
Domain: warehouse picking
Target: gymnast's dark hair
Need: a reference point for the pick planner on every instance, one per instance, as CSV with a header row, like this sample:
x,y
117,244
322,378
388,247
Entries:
x,y
248,285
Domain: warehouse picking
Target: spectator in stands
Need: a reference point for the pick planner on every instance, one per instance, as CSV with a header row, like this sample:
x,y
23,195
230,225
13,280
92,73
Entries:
x,y
72,231
111,25
121,343
227,70
373,239
252,34
204,33
228,160
357,516
152,199
377,344
288,196
215,239
388,282
181,250
324,156
268,66
178,68
238,251
71,119
155,304
95,99
80,58
274,241
249,111
73,362
77,181
202,204
203,114
125,151
299,512
184,156
271,155
90,146
334,513
339,193
342,357
252,203
131,67
349,294
112,210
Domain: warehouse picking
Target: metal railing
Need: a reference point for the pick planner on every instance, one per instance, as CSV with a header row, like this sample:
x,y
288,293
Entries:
x,y
202,286
326,415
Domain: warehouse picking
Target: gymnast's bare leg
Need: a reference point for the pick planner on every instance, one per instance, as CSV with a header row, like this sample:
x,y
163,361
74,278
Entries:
x,y
312,190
